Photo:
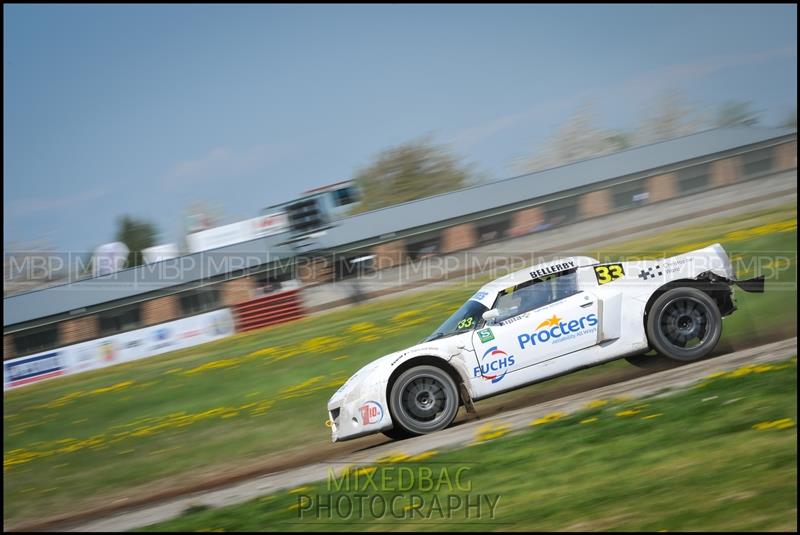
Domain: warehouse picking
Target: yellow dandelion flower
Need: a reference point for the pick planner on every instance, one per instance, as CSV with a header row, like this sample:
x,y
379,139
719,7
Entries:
x,y
366,470
424,455
783,423
547,418
491,431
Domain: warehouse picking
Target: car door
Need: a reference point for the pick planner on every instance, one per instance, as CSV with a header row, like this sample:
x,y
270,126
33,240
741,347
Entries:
x,y
530,337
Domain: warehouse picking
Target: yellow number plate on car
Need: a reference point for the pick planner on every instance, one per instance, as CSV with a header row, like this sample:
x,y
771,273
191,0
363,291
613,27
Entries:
x,y
608,273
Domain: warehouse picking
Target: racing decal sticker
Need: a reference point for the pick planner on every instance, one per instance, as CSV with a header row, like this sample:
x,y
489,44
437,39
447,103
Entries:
x,y
650,273
555,330
674,265
513,319
608,273
494,365
466,323
553,268
371,413
485,335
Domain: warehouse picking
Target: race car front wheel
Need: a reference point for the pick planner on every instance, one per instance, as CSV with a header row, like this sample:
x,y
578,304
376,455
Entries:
x,y
422,400
684,324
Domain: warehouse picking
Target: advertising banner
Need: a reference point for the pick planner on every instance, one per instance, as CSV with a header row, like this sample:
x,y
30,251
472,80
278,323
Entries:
x,y
119,348
249,229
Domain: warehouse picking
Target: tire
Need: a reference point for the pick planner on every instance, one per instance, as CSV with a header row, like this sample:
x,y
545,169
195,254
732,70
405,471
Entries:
x,y
684,324
422,400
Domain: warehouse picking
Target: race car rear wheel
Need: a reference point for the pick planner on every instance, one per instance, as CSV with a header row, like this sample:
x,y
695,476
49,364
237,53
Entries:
x,y
684,324
422,400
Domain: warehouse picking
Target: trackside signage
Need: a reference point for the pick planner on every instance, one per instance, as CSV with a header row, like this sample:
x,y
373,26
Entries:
x,y
124,347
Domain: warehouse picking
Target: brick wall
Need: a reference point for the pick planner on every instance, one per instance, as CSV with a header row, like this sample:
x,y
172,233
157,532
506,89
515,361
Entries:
x,y
389,254
8,347
78,329
786,156
662,187
726,171
161,309
459,237
237,290
595,203
314,269
525,221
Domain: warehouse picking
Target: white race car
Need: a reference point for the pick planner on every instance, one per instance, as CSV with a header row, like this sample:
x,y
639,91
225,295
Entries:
x,y
538,323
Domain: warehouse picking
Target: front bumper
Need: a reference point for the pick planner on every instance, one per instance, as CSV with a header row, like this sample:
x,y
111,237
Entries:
x,y
360,409
359,418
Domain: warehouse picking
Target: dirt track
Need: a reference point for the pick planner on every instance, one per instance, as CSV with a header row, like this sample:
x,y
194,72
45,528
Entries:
x,y
304,467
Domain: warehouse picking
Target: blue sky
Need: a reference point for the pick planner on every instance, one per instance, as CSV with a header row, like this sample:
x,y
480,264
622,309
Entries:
x,y
141,110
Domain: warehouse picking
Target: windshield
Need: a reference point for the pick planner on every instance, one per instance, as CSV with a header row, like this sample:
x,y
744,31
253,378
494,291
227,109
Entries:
x,y
464,319
536,293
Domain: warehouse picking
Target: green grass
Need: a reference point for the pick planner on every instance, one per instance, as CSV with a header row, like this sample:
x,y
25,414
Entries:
x,y
118,453
692,461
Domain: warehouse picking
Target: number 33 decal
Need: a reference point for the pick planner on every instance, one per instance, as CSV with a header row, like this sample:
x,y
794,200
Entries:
x,y
608,273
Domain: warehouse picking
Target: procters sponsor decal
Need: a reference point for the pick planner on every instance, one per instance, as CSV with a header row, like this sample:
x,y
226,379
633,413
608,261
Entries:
x,y
371,413
494,365
555,330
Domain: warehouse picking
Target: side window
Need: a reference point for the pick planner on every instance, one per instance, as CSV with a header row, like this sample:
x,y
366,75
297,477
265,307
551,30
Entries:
x,y
536,293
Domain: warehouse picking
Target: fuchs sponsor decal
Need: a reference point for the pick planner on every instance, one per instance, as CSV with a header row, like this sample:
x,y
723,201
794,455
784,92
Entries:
x,y
479,296
555,330
30,370
553,268
485,335
494,365
371,413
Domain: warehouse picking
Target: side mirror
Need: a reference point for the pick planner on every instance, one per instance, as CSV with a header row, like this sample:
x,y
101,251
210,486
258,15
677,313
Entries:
x,y
490,315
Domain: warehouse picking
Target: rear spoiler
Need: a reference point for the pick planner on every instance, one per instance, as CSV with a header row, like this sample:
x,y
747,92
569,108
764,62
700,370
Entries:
x,y
754,285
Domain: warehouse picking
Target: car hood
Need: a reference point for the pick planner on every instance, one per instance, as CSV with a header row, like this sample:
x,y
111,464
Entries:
x,y
448,345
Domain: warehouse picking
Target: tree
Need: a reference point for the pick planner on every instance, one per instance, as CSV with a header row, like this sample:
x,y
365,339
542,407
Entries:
x,y
577,139
413,170
737,113
667,117
137,234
